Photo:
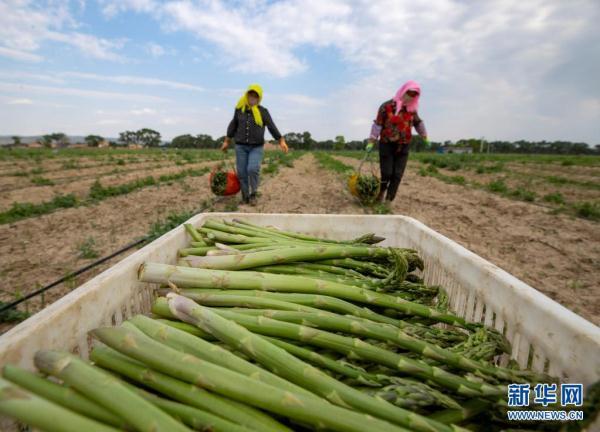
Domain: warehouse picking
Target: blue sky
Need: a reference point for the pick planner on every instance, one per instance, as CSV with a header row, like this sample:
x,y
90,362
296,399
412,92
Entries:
x,y
509,69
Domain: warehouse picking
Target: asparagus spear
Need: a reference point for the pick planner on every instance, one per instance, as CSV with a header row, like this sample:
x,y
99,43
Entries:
x,y
193,233
306,253
218,299
107,391
221,236
367,238
211,223
193,417
200,348
293,269
186,328
386,333
361,266
357,348
292,368
40,413
469,409
333,304
412,395
237,386
311,356
186,277
60,395
400,388
180,391
330,269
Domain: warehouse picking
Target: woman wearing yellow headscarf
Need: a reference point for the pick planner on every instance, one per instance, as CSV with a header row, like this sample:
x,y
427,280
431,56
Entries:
x,y
248,130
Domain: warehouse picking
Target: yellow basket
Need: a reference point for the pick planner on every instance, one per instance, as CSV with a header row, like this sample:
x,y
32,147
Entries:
x,y
352,184
353,179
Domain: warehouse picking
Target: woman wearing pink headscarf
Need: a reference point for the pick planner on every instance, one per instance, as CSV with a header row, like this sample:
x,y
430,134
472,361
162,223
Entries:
x,y
393,127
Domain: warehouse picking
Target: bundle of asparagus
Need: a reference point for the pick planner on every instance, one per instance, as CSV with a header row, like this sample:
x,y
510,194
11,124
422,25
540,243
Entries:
x,y
258,329
367,187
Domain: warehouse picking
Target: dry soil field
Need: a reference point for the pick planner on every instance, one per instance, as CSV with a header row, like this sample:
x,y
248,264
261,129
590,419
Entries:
x,y
536,217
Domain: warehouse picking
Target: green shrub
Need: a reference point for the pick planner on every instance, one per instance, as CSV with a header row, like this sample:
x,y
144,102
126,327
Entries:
x,y
523,194
87,249
41,181
555,197
24,210
454,165
497,186
558,180
588,210
460,180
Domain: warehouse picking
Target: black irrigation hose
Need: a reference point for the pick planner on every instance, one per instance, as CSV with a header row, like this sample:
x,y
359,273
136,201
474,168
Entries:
x,y
70,275
96,263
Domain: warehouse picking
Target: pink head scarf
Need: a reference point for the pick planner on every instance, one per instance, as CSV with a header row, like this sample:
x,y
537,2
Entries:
x,y
413,105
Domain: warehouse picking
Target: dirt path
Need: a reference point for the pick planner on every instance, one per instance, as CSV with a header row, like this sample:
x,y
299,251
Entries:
x,y
557,254
304,189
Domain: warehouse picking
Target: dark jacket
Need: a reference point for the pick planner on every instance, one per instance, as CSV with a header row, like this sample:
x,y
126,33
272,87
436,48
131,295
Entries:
x,y
244,130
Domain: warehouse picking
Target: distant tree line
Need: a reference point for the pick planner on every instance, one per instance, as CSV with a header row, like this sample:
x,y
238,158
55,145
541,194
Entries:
x,y
144,137
304,141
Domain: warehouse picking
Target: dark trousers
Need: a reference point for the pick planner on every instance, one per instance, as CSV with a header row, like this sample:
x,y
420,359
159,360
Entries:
x,y
392,163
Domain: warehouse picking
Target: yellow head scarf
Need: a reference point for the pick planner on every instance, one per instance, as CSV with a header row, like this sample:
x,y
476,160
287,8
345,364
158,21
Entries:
x,y
244,105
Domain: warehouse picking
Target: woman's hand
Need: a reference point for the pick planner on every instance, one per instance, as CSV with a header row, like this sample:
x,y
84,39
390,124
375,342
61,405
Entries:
x,y
370,145
225,145
283,145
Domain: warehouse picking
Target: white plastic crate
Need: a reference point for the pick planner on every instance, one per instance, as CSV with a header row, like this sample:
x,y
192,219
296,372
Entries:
x,y
556,339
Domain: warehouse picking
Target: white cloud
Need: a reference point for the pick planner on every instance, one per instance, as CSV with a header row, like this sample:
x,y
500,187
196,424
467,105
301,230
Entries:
x,y
110,8
25,26
27,89
240,34
155,50
23,75
133,80
90,46
302,100
19,55
20,102
111,122
143,111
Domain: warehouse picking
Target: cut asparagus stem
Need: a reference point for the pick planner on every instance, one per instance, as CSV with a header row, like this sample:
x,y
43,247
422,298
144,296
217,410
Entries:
x,y
193,417
107,391
237,386
60,395
40,413
180,391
